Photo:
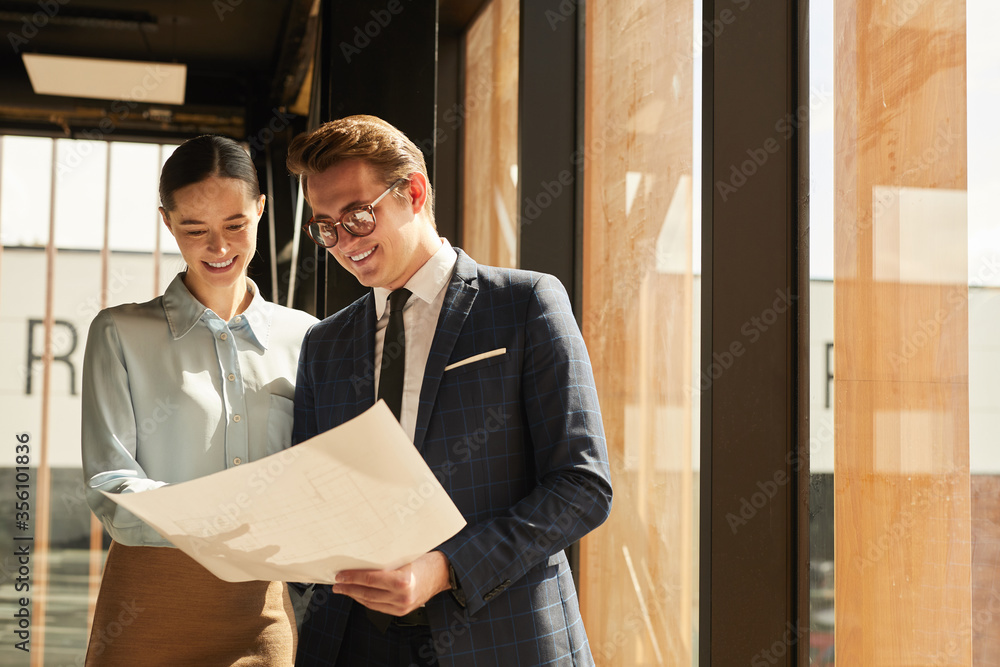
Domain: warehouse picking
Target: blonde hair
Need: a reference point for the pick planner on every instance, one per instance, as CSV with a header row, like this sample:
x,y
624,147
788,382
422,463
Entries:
x,y
361,137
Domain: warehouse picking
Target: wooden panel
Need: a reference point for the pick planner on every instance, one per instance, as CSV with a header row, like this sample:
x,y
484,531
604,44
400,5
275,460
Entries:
x,y
490,210
985,569
637,571
902,503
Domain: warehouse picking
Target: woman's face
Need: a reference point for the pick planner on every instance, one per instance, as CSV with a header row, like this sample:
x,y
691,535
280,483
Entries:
x,y
215,224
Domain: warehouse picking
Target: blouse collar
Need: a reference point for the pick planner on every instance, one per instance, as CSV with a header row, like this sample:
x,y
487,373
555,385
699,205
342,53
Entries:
x,y
184,311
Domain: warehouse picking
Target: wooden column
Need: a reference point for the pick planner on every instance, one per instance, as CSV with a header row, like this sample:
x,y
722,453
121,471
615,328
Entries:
x,y
902,505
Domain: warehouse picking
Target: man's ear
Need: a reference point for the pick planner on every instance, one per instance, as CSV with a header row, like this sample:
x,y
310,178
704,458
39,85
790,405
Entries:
x,y
417,192
166,219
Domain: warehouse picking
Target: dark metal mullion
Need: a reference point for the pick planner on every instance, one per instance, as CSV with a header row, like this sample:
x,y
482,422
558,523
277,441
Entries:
x,y
319,105
801,57
460,138
447,176
706,488
752,601
580,128
316,105
550,123
547,142
797,260
383,63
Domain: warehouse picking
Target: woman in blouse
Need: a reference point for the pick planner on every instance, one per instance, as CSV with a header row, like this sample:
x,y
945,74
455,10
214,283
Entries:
x,y
195,381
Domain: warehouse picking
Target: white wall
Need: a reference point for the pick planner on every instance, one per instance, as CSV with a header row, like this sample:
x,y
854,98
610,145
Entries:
x,y
76,301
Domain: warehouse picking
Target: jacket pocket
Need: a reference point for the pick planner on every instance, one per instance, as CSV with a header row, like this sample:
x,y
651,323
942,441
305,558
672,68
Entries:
x,y
497,357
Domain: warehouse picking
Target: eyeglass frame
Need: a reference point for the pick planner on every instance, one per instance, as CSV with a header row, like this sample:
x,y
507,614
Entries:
x,y
370,209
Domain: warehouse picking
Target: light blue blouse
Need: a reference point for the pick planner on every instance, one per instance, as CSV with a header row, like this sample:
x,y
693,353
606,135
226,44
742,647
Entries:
x,y
171,392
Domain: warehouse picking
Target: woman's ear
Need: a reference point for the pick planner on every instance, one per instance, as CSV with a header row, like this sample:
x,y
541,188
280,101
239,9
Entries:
x,y
260,205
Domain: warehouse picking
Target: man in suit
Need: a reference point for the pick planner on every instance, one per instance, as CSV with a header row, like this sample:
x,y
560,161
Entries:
x,y
487,372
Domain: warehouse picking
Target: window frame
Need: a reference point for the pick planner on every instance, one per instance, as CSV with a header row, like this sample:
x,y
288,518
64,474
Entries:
x,y
754,586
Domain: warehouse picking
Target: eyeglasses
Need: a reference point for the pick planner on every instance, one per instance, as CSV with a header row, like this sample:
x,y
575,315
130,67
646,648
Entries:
x,y
356,222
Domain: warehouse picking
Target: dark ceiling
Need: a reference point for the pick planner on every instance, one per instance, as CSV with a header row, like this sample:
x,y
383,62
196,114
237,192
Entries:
x,y
246,60
241,55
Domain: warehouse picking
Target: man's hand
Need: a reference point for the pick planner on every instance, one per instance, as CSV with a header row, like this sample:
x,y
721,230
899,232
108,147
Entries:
x,y
396,592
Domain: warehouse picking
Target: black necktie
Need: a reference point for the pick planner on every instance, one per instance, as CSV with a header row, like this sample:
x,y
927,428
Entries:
x,y
390,389
390,384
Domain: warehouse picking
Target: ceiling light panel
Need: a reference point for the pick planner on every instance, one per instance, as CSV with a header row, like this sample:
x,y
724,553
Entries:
x,y
104,79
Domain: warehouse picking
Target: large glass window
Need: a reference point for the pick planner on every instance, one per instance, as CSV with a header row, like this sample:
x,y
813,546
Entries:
x,y
490,208
104,251
641,316
905,257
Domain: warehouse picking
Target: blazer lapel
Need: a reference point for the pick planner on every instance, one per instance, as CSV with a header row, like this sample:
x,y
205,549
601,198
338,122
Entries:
x,y
363,380
458,302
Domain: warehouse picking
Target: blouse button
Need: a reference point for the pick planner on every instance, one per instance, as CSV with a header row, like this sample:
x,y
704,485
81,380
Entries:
x,y
231,377
236,418
239,319
223,336
237,461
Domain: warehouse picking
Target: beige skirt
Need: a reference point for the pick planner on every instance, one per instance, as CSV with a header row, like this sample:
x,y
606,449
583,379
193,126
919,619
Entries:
x,y
157,606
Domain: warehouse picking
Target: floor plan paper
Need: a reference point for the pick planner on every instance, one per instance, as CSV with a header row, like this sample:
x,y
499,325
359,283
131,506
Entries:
x,y
356,497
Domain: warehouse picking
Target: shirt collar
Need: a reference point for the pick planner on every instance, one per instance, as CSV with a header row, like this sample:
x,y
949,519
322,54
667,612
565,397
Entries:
x,y
427,282
184,311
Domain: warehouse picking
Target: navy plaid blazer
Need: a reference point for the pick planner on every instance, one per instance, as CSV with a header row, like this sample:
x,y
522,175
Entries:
x,y
515,439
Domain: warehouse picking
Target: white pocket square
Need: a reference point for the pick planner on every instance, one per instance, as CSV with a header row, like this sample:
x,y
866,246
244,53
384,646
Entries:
x,y
485,355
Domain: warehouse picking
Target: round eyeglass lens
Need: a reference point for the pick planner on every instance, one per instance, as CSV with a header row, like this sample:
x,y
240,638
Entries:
x,y
360,223
324,234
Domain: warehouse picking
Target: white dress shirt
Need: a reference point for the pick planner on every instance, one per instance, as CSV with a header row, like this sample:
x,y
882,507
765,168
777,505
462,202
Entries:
x,y
420,318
